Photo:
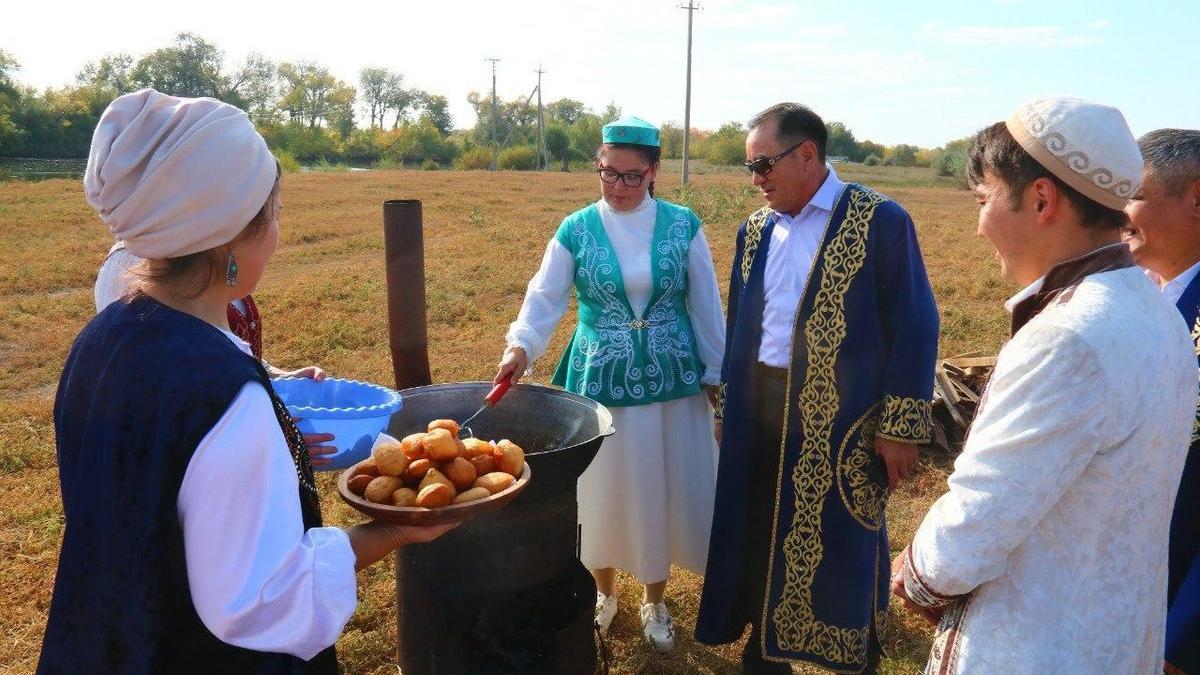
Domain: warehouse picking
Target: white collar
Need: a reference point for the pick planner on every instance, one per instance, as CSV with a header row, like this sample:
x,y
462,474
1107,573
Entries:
x,y
237,341
1024,293
1180,283
646,202
1037,285
825,197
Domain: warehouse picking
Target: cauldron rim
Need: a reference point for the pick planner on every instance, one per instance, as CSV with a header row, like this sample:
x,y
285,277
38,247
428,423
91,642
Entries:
x,y
602,412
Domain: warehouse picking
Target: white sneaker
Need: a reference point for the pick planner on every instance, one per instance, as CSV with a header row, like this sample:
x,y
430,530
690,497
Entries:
x,y
658,627
606,609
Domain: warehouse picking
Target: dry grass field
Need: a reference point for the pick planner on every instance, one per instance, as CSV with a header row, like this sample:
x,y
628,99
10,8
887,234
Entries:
x,y
323,300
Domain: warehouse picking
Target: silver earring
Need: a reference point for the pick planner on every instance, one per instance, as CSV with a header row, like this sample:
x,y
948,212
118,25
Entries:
x,y
231,271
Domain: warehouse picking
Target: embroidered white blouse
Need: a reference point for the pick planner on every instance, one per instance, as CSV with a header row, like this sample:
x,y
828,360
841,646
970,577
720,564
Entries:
x,y
257,579
630,232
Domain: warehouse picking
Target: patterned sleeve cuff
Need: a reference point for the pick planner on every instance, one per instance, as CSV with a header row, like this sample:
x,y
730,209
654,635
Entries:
x,y
918,590
906,420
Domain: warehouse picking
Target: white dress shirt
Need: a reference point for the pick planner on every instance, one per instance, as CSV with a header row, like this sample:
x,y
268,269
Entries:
x,y
1173,290
258,579
631,233
795,241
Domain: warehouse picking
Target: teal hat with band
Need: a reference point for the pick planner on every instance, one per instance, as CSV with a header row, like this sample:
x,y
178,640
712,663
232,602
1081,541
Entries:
x,y
631,130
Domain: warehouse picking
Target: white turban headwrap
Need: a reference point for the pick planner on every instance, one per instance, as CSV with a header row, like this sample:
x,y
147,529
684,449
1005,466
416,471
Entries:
x,y
172,176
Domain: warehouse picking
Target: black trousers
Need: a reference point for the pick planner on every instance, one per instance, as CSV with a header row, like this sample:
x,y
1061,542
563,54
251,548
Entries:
x,y
770,393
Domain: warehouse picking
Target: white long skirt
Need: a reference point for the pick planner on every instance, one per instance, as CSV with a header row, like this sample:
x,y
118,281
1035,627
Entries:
x,y
646,501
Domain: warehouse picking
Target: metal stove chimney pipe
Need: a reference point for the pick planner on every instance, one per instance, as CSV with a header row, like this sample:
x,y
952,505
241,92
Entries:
x,y
404,244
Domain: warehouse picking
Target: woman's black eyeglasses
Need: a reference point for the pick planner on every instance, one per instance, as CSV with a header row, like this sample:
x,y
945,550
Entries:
x,y
763,165
611,176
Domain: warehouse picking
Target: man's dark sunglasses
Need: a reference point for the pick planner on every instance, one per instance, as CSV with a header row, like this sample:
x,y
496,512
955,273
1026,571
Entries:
x,y
763,165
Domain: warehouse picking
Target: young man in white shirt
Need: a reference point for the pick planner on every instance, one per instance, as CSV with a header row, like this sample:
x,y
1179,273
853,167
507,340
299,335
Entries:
x,y
1049,552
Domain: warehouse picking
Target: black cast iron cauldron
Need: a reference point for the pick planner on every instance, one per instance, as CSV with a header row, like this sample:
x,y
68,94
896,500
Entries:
x,y
505,592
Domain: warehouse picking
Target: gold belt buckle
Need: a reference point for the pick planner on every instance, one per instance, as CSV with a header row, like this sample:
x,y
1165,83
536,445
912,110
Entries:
x,y
639,324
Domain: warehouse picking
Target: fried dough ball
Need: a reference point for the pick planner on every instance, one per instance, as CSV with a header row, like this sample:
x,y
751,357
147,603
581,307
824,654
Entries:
x,y
461,472
367,467
380,489
411,445
509,456
473,447
483,464
439,445
434,495
471,495
416,471
389,457
497,481
448,425
435,476
404,497
358,484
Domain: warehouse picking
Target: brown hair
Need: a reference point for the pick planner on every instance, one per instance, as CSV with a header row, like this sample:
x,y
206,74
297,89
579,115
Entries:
x,y
190,275
995,151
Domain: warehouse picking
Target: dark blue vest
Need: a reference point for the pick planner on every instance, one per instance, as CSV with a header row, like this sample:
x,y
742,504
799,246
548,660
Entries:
x,y
142,386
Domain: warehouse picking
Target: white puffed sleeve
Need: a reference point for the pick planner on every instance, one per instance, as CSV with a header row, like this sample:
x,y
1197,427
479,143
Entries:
x,y
258,579
705,309
546,299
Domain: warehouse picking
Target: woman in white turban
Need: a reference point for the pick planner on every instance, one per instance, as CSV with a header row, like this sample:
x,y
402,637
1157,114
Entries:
x,y
193,538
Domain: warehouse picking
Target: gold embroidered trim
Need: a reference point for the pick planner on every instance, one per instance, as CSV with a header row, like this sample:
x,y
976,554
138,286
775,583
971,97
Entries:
x,y
1196,335
858,471
754,229
908,420
719,409
1196,341
797,628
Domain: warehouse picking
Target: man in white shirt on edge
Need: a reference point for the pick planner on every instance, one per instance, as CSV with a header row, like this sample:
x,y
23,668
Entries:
x,y
1049,552
1164,236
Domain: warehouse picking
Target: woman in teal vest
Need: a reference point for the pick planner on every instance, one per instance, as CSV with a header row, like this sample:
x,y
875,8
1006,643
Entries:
x,y
648,344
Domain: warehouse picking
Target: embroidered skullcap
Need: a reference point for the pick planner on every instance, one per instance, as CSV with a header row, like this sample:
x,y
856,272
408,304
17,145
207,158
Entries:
x,y
1085,145
631,130
172,176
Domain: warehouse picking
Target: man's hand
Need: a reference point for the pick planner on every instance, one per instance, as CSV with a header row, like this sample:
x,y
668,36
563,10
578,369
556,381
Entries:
x,y
933,616
316,451
900,459
717,431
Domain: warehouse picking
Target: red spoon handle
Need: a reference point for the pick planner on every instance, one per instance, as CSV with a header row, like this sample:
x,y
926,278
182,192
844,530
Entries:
x,y
497,392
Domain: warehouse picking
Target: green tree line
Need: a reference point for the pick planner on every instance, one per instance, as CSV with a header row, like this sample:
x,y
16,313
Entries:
x,y
310,116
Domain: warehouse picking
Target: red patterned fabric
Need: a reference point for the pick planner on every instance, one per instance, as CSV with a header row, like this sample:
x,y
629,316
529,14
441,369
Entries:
x,y
247,327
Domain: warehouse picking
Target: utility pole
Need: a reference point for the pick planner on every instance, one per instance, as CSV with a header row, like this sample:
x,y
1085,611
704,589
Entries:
x,y
543,159
495,147
687,106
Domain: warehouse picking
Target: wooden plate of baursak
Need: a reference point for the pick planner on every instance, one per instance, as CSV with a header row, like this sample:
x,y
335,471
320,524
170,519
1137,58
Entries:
x,y
435,477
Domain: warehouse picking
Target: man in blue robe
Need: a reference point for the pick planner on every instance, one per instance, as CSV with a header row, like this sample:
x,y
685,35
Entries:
x,y
827,378
1164,236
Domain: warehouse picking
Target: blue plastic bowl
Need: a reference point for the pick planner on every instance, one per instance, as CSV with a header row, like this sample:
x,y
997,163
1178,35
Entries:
x,y
354,412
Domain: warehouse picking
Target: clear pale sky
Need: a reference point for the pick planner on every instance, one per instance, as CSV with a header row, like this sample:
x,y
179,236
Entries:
x,y
922,72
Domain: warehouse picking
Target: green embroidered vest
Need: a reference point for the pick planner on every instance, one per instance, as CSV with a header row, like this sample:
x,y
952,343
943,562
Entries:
x,y
615,357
